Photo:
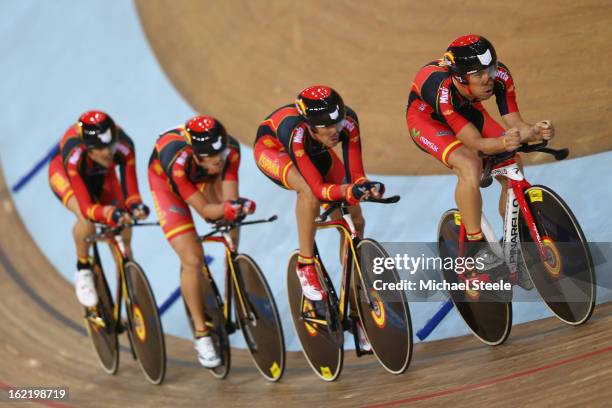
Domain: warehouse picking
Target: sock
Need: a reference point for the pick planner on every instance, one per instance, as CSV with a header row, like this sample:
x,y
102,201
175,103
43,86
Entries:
x,y
83,263
305,260
475,236
201,333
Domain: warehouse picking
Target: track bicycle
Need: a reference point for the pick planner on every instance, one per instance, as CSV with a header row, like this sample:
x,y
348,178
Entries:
x,y
142,323
541,237
383,315
256,314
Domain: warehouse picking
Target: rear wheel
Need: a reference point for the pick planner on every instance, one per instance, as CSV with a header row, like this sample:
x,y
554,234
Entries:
x,y
258,319
101,325
490,322
317,325
566,278
384,314
145,329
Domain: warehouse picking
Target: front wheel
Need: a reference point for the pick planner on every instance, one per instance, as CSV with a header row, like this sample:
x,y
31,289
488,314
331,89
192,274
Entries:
x,y
490,322
317,325
384,313
565,278
101,325
258,318
144,326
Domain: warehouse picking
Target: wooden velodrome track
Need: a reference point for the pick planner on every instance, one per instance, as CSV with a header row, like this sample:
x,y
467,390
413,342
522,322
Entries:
x,y
242,59
43,343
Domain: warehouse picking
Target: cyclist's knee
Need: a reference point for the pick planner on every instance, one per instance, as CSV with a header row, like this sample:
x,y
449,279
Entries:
x,y
83,227
466,165
305,195
192,262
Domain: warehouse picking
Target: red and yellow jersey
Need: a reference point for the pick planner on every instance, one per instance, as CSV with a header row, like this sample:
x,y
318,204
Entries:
x,y
88,179
314,161
172,160
434,86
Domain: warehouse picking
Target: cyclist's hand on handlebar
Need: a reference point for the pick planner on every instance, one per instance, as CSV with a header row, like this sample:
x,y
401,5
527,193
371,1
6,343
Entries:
x,y
248,206
511,139
367,189
232,209
139,211
120,217
544,130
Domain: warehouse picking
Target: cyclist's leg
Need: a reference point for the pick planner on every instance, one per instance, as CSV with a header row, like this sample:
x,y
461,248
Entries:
x,y
84,282
276,164
468,168
306,209
81,230
437,139
190,253
60,185
175,219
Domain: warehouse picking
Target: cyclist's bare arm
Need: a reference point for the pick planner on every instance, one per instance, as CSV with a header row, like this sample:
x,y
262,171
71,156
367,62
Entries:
x,y
203,208
529,132
471,137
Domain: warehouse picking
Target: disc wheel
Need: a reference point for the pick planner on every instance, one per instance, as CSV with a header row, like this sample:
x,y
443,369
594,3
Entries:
x,y
565,278
258,319
145,329
384,314
101,325
317,325
490,322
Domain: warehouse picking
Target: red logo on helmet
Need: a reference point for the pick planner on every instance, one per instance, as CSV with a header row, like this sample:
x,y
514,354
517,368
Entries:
x,y
93,117
317,92
465,40
201,123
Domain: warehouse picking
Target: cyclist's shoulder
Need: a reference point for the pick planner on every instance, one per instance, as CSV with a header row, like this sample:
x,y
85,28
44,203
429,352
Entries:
x,y
171,139
124,138
433,70
503,73
286,118
71,142
171,146
233,143
352,115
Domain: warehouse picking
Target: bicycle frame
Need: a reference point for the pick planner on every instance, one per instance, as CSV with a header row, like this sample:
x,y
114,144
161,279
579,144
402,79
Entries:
x,y
119,252
515,204
231,278
347,228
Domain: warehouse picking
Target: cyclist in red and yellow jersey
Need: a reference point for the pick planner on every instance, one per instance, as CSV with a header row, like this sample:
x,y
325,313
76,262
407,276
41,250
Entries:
x,y
295,149
196,165
447,120
83,176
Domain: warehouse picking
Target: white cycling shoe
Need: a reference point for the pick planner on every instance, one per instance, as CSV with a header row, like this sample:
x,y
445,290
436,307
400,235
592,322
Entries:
x,y
85,288
364,344
207,355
